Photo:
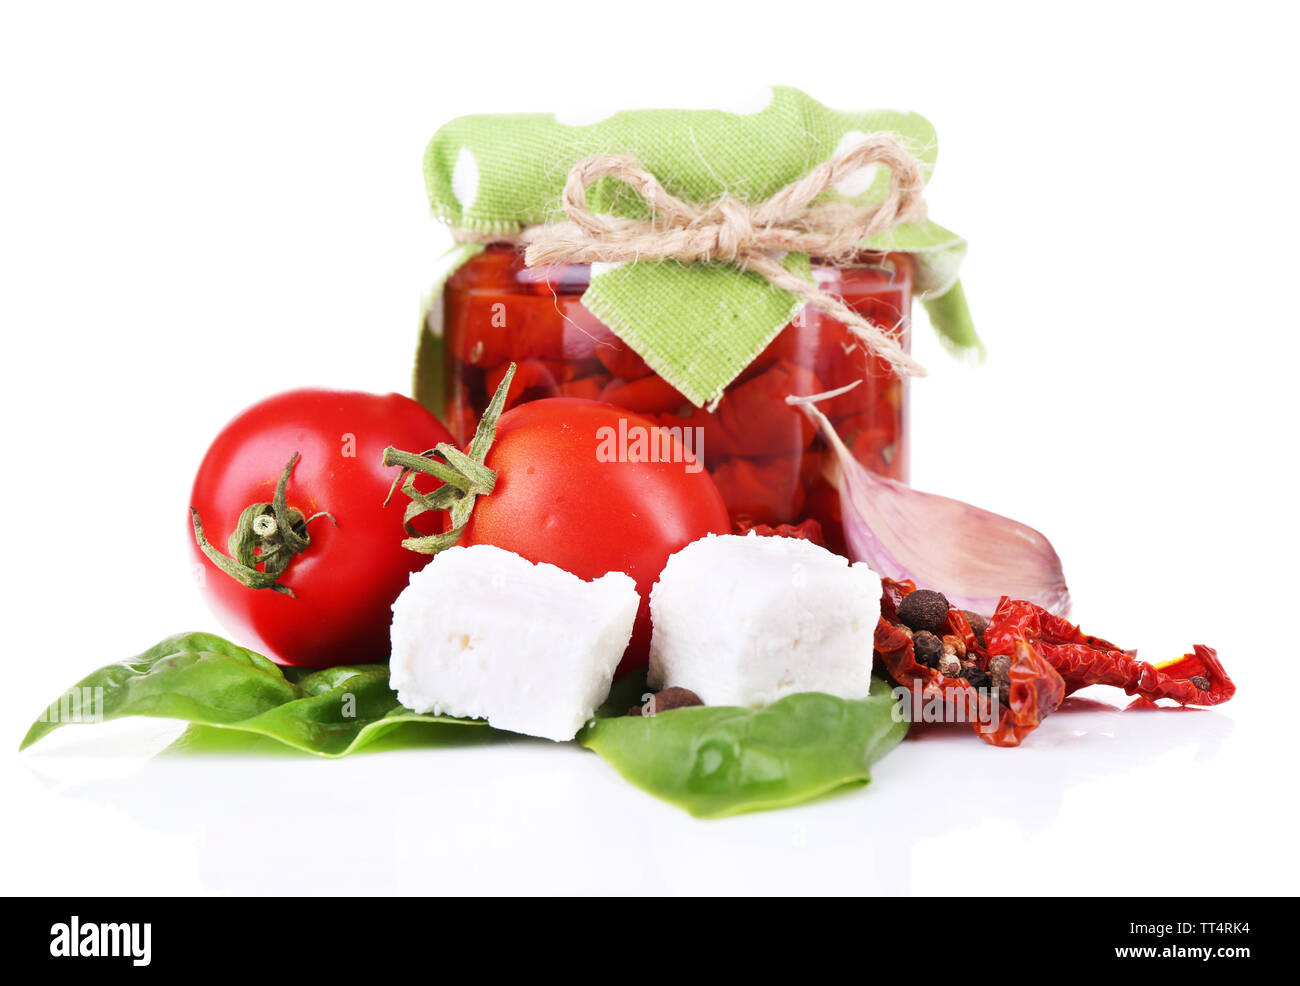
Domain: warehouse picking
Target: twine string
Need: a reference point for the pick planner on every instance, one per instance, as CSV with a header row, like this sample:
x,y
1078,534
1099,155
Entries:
x,y
753,237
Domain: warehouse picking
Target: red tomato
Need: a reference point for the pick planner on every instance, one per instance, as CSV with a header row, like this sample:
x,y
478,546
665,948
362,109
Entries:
x,y
346,579
534,379
618,357
558,500
588,388
762,490
482,332
646,395
756,418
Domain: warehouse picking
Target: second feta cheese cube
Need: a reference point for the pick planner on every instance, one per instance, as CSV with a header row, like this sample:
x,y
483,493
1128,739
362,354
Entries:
x,y
746,620
482,633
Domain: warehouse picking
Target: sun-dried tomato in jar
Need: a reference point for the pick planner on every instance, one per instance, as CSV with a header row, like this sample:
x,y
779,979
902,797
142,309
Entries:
x,y
765,456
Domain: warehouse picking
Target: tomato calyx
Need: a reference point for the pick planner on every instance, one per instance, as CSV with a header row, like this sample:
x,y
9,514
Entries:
x,y
464,477
267,534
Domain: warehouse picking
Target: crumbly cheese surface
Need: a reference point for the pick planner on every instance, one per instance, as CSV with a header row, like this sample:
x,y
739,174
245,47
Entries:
x,y
482,633
746,620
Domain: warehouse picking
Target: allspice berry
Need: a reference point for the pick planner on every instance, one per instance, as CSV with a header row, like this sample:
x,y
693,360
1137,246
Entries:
x,y
665,701
924,609
978,624
1000,673
972,673
675,698
927,648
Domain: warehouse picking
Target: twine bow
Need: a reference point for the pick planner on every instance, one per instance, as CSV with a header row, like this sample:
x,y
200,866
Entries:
x,y
753,237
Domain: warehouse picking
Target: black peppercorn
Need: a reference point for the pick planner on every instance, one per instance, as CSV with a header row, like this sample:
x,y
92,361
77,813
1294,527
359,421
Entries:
x,y
1000,673
924,609
1200,681
666,700
972,673
978,624
928,648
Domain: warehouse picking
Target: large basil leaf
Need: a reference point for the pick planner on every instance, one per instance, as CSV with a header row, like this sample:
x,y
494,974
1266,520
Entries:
x,y
203,679
718,760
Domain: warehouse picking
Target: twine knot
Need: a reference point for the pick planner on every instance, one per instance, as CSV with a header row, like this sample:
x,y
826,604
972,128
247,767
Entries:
x,y
734,226
753,237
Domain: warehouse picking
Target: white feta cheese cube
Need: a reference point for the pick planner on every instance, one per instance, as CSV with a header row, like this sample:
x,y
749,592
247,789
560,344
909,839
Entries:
x,y
482,633
748,620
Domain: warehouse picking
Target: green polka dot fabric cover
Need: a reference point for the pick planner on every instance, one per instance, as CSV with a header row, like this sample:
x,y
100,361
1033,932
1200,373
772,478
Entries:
x,y
700,324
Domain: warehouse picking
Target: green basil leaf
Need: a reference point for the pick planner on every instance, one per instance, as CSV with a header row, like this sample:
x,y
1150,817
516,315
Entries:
x,y
203,679
719,760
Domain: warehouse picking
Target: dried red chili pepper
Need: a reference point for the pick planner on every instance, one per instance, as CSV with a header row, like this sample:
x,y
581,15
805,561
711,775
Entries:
x,y
809,530
1081,659
1034,688
761,490
1037,659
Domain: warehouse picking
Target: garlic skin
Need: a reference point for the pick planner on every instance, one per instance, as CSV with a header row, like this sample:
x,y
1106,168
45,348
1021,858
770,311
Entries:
x,y
971,555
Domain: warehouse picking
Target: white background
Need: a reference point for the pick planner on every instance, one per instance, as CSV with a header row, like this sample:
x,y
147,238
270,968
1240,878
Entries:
x,y
203,205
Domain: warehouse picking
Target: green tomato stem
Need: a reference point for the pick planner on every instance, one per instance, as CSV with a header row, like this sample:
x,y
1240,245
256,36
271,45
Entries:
x,y
265,541
464,476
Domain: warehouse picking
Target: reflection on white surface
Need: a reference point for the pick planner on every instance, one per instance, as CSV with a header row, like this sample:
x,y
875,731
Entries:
x,y
1075,809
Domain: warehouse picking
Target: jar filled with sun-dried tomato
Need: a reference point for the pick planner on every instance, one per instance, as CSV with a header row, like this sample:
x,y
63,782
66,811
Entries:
x,y
698,282
766,457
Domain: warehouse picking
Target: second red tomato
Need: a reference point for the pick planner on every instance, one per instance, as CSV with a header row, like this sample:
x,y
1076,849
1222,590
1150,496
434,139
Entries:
x,y
561,497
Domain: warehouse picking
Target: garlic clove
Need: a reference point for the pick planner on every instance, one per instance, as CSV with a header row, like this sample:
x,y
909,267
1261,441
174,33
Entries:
x,y
972,555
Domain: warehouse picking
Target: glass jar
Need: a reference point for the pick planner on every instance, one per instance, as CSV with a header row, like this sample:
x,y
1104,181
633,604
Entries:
x,y
765,456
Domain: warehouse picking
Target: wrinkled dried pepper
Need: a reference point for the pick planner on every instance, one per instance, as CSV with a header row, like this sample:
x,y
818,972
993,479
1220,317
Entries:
x,y
1034,688
1037,659
809,530
1193,679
